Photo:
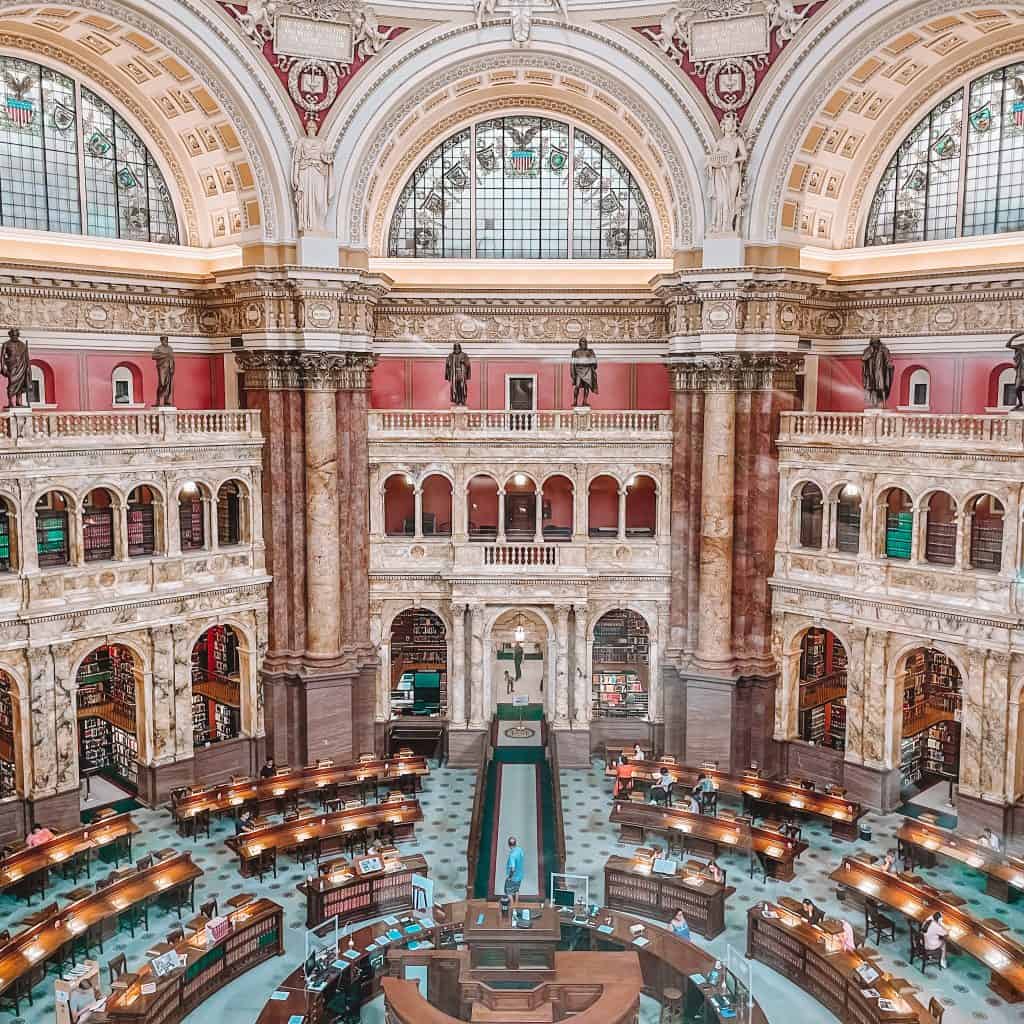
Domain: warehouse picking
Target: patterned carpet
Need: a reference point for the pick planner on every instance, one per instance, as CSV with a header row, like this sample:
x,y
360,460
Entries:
x,y
963,988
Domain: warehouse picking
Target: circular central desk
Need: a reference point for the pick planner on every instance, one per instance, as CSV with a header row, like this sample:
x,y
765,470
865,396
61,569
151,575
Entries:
x,y
357,976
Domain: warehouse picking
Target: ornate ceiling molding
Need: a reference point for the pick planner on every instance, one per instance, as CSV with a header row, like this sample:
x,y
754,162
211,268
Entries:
x,y
574,65
383,203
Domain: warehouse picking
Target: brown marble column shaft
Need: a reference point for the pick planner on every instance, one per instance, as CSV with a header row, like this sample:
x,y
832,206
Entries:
x,y
714,630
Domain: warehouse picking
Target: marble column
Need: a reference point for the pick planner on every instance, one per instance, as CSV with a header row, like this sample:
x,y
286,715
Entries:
x,y
65,721
561,666
581,667
478,712
995,784
162,711
501,515
417,514
622,512
323,620
972,722
457,679
714,630
855,689
43,727
879,716
538,528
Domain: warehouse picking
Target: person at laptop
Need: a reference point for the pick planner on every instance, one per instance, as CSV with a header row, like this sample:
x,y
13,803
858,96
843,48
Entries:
x,y
935,936
268,769
661,789
82,1003
678,926
989,838
813,914
889,865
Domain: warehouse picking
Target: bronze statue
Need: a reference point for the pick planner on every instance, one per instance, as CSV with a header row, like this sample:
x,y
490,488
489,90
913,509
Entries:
x,y
877,373
458,372
14,365
163,356
584,374
1016,345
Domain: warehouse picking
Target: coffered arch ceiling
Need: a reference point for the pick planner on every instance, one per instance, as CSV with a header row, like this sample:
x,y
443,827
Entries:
x,y
180,78
812,178
453,75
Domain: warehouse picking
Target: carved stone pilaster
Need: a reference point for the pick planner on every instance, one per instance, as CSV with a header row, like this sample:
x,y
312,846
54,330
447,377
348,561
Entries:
x,y
306,371
735,371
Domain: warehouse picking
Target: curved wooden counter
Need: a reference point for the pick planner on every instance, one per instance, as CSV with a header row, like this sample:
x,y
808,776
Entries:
x,y
256,934
665,962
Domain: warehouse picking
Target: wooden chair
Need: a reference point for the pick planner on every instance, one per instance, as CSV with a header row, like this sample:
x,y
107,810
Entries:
x,y
144,863
175,935
200,822
133,916
117,968
5,936
926,956
210,908
308,850
292,814
935,1010
875,921
263,862
671,1006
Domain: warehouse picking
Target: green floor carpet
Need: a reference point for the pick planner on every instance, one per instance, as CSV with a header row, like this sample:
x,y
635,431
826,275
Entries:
x,y
530,713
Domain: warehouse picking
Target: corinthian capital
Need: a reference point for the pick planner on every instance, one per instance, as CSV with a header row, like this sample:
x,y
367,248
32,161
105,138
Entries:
x,y
358,371
735,371
270,371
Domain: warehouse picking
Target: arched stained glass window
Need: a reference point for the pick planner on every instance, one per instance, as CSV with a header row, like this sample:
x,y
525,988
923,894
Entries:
x,y
64,150
960,171
522,188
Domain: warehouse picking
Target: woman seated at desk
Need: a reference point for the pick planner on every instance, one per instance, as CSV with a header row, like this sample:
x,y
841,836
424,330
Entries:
x,y
889,865
39,835
83,1006
813,914
678,925
714,872
693,804
623,778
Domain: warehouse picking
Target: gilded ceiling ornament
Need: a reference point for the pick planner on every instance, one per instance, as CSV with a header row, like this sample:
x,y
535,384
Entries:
x,y
313,46
726,46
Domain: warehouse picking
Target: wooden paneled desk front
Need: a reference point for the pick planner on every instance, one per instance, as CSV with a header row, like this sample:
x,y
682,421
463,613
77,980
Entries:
x,y
920,843
761,794
266,793
776,852
395,817
34,861
993,947
255,934
632,885
811,957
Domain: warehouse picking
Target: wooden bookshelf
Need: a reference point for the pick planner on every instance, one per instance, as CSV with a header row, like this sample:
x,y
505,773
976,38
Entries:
x,y
343,889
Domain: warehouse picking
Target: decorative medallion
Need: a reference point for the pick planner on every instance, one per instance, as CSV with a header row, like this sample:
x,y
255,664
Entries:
x,y
315,47
725,47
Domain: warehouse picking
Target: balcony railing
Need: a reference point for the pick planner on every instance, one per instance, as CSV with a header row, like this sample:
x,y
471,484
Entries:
x,y
23,428
453,424
1004,433
520,554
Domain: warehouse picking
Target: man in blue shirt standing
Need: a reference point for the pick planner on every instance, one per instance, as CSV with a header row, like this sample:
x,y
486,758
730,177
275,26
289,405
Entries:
x,y
514,870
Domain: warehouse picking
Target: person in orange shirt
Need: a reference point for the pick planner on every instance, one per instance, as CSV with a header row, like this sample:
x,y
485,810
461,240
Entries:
x,y
39,835
623,778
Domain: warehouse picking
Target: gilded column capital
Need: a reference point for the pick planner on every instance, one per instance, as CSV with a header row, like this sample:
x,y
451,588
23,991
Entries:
x,y
321,371
357,372
735,371
270,370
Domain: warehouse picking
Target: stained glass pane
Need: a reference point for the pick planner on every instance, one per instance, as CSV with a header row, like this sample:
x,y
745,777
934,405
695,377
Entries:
x,y
527,172
916,197
41,131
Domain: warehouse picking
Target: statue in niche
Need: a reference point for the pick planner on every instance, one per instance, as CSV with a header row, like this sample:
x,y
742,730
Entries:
x,y
14,365
1016,346
163,356
457,372
725,176
877,367
584,374
312,181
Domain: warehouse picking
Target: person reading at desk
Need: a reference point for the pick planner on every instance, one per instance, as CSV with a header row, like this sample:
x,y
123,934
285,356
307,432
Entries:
x,y
39,835
661,788
82,1003
638,753
714,872
813,914
268,769
678,926
889,865
935,936
247,822
623,778
705,790
989,838
848,939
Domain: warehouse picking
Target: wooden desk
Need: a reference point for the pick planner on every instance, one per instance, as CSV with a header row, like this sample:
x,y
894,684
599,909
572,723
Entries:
x,y
665,961
920,843
397,816
796,949
257,934
353,895
775,851
266,793
35,946
994,948
761,794
112,833
630,886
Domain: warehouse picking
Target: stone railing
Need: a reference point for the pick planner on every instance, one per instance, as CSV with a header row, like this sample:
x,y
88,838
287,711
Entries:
x,y
1005,433
24,428
568,423
520,554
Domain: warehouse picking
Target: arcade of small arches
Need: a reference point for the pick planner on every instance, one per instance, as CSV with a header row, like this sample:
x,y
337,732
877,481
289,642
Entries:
x,y
519,506
580,666
116,687
934,527
105,524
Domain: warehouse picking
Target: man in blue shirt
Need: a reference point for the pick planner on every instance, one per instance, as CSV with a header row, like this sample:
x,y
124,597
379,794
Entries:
x,y
514,870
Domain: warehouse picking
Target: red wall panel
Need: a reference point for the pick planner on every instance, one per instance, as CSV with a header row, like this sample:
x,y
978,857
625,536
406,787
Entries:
x,y
652,386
